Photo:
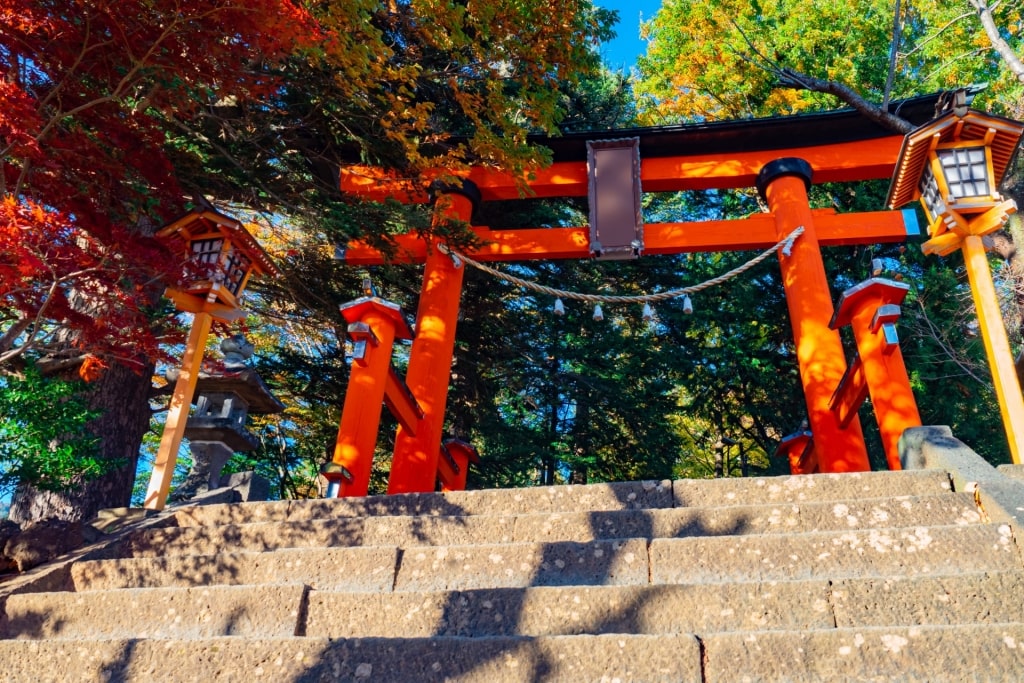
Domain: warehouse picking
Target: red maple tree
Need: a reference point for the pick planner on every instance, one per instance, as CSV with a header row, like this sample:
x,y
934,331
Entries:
x,y
88,89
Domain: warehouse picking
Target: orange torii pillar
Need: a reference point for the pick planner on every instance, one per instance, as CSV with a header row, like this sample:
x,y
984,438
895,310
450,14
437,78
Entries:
x,y
374,324
783,184
871,308
414,466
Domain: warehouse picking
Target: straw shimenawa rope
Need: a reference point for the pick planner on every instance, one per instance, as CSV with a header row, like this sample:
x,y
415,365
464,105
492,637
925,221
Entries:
x,y
785,244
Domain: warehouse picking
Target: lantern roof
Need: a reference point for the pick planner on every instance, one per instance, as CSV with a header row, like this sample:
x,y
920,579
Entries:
x,y
245,383
951,127
205,220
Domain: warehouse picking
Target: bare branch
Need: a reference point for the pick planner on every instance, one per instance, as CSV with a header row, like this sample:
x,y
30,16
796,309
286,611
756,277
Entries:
x,y
13,332
945,27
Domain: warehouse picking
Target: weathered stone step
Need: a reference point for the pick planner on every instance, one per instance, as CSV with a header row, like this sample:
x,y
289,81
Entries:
x,y
898,551
355,569
693,608
595,563
631,495
992,597
1012,471
947,508
808,488
668,658
594,497
547,611
928,654
369,568
267,611
917,551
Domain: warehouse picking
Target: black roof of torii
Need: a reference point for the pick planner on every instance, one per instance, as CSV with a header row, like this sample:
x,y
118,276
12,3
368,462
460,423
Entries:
x,y
744,135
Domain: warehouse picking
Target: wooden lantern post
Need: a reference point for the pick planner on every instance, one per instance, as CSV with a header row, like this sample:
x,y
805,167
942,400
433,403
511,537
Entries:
x,y
954,165
231,255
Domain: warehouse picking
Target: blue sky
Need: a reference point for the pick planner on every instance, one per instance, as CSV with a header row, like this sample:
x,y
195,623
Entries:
x,y
627,46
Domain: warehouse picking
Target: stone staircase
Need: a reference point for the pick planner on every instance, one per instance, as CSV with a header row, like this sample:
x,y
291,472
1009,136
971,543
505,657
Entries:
x,y
857,577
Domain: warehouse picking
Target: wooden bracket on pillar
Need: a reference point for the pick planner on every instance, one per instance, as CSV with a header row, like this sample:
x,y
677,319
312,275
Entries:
x,y
401,402
850,394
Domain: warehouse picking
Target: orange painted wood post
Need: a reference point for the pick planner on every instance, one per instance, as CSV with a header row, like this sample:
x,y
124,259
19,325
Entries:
x,y
453,465
997,346
783,184
869,308
798,449
373,325
177,413
414,465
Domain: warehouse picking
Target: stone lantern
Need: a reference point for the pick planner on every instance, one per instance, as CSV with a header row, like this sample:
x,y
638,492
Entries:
x,y
224,397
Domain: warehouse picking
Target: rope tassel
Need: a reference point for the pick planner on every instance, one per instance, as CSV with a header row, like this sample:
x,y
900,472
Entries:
x,y
687,305
559,307
598,313
648,313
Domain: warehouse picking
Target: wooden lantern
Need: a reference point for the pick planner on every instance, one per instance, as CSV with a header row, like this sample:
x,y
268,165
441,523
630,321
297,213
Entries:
x,y
954,164
228,256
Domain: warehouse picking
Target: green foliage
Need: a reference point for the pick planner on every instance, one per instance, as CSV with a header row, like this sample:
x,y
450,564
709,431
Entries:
x,y
44,437
723,59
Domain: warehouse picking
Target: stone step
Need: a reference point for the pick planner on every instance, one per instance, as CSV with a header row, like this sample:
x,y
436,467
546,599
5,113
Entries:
x,y
572,610
948,508
693,608
668,658
631,495
290,609
992,597
925,654
1013,471
889,552
267,611
808,487
367,569
375,569
595,563
593,497
917,551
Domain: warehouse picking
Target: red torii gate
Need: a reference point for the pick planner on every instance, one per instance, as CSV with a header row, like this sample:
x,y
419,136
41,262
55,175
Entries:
x,y
779,156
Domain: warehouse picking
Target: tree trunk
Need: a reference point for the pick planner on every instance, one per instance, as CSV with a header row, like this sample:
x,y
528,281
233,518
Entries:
x,y
122,396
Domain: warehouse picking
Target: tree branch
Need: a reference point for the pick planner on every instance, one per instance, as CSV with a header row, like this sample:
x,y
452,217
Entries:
x,y
998,44
791,78
794,79
893,52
